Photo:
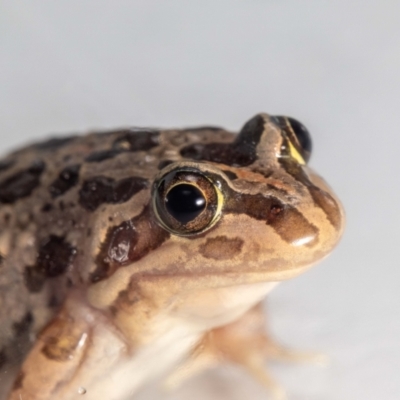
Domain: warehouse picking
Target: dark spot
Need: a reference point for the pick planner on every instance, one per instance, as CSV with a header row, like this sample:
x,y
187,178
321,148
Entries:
x,y
22,327
202,128
55,256
231,175
162,164
100,190
3,358
240,153
1,259
22,183
18,383
221,248
34,279
103,155
321,198
287,222
61,205
54,143
128,242
6,164
67,179
47,207
140,140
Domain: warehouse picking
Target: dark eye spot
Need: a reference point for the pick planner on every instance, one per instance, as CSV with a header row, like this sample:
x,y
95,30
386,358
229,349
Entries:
x,y
185,202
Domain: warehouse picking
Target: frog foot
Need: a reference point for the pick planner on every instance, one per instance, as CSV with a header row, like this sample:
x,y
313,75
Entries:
x,y
245,343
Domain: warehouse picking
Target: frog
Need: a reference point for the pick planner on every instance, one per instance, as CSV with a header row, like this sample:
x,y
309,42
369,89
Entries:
x,y
135,253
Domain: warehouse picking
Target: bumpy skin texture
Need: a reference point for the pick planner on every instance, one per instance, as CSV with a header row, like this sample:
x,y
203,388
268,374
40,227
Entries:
x,y
92,285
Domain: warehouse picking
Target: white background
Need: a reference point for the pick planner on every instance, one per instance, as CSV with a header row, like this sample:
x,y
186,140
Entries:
x,y
67,66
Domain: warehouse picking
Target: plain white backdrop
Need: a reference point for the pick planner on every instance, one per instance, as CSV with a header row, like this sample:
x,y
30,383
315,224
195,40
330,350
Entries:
x,y
67,66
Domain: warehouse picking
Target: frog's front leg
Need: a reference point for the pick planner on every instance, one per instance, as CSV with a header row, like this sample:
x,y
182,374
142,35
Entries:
x,y
244,342
68,355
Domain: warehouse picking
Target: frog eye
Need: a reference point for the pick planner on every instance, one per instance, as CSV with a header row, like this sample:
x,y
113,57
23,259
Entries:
x,y
186,202
300,144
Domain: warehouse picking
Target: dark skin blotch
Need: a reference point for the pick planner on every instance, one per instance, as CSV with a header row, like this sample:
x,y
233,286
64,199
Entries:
x,y
66,180
22,183
54,143
103,155
103,190
128,242
141,140
240,153
55,256
221,248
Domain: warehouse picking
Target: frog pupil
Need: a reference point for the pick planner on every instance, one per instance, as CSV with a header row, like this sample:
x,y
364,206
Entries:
x,y
185,202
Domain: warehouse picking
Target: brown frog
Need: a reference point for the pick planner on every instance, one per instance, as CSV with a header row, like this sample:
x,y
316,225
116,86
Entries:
x,y
128,253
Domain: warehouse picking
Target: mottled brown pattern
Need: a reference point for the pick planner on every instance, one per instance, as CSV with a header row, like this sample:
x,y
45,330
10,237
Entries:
x,y
103,190
102,155
137,140
55,255
22,183
221,248
54,143
128,242
66,180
